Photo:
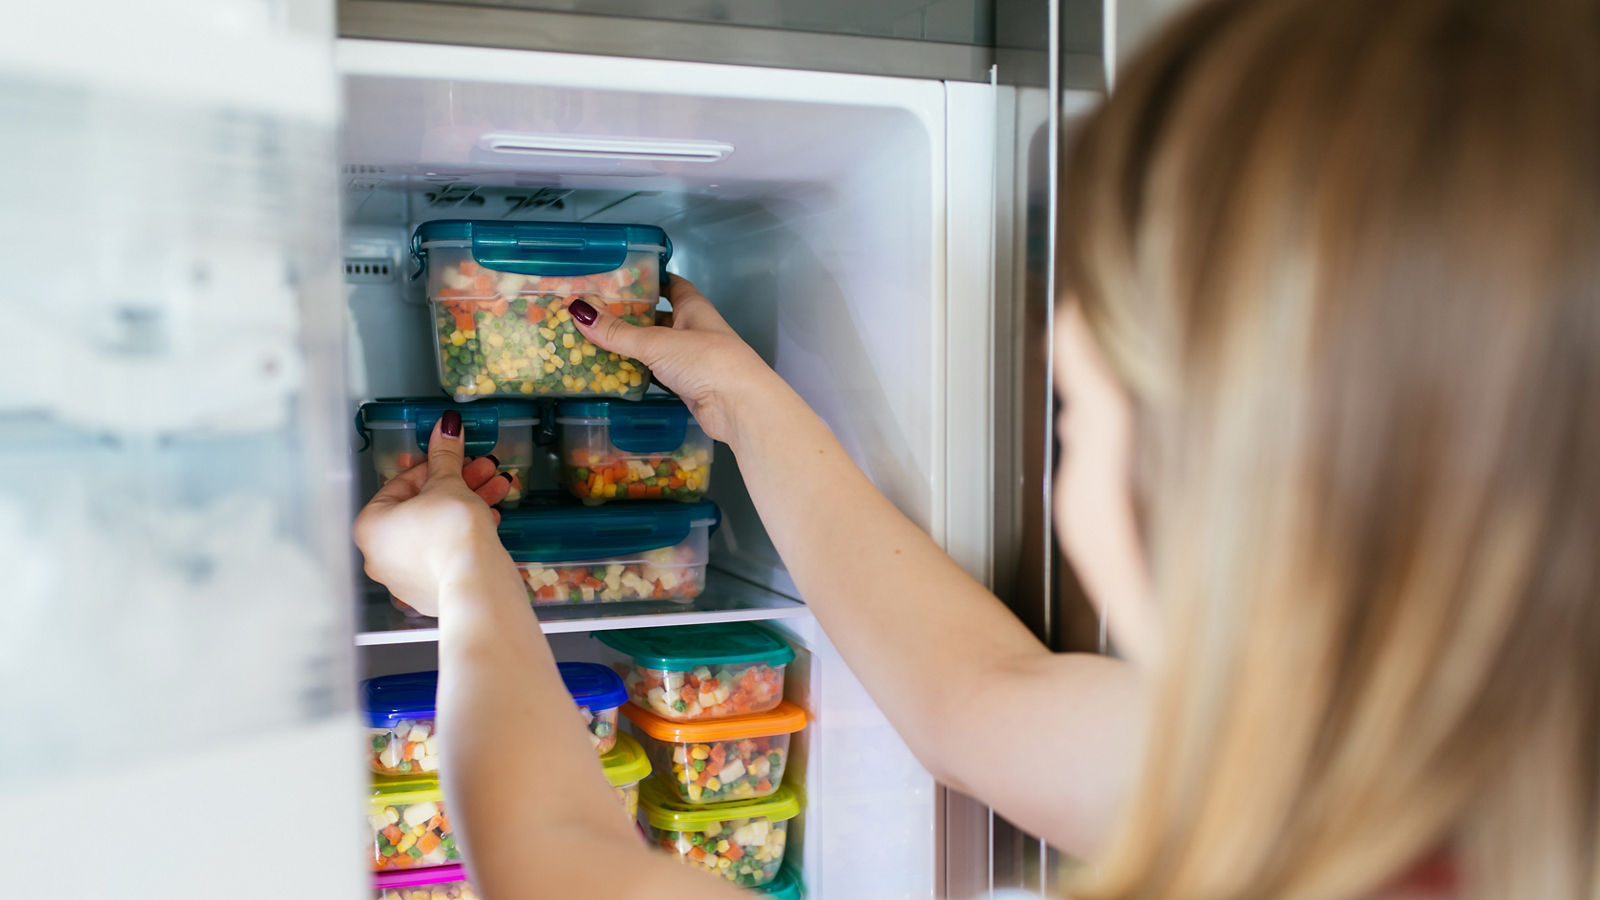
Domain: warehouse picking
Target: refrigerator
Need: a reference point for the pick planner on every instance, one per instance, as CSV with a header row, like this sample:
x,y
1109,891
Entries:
x,y
209,231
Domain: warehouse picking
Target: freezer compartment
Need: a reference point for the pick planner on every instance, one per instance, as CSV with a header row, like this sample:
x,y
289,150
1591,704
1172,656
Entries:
x,y
409,826
743,842
738,758
704,671
396,433
577,554
652,449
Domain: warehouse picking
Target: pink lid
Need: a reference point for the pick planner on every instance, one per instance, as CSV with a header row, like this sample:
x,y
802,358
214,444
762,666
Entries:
x,y
411,877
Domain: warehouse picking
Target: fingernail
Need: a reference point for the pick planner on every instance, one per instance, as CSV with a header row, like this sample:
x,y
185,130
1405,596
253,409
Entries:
x,y
582,311
450,424
505,475
492,458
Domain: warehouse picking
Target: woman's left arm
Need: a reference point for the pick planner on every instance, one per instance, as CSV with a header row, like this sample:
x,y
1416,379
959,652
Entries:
x,y
524,789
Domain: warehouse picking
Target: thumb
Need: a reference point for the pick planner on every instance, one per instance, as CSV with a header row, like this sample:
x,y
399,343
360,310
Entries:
x,y
611,333
445,448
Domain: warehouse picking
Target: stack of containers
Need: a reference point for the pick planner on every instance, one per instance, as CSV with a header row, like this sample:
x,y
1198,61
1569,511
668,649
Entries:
x,y
707,703
410,826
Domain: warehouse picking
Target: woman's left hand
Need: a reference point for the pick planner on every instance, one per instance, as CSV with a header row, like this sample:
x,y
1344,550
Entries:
x,y
433,523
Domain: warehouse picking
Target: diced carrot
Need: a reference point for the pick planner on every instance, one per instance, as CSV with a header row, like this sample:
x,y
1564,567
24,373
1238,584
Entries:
x,y
675,481
764,785
659,592
468,267
407,460
444,824
428,843
714,767
483,284
719,753
636,490
734,852
593,582
546,592
697,853
535,313
653,491
392,834
687,694
499,307
411,750
617,309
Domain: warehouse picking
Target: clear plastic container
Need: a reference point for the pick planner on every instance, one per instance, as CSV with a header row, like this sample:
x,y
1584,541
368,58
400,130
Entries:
x,y
598,692
702,671
737,758
786,886
743,842
437,883
627,765
575,554
409,827
648,450
500,291
397,431
400,722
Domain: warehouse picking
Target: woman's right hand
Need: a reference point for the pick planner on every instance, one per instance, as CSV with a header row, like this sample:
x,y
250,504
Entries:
x,y
698,357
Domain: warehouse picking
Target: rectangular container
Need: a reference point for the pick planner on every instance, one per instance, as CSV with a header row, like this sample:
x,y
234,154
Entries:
x,y
401,723
397,432
438,883
409,826
702,671
743,842
652,449
576,554
718,760
598,692
499,294
625,766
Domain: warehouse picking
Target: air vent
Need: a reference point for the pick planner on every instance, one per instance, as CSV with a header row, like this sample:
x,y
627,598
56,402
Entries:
x,y
358,169
368,271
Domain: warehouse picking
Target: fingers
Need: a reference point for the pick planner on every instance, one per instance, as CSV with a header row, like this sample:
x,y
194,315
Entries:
x,y
445,448
691,309
401,487
611,333
478,471
494,489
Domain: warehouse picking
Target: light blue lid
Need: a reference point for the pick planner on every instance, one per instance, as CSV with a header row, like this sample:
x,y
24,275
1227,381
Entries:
x,y
573,533
543,248
651,425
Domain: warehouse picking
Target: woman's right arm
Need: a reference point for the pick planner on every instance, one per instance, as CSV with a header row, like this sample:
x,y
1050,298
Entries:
x,y
1047,739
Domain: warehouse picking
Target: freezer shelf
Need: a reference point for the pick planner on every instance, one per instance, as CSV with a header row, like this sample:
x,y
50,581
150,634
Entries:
x,y
725,599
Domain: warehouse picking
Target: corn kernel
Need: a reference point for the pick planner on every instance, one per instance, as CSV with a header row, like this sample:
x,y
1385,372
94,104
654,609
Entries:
x,y
575,357
588,349
724,863
713,784
458,338
566,341
562,315
722,846
700,751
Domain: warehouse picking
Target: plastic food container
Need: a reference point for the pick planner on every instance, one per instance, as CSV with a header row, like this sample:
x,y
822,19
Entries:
x,y
598,692
785,887
409,828
400,718
439,883
652,449
737,758
636,551
743,842
702,671
397,431
499,293
627,765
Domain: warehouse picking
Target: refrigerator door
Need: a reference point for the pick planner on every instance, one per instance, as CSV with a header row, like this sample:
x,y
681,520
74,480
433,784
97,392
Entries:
x,y
179,720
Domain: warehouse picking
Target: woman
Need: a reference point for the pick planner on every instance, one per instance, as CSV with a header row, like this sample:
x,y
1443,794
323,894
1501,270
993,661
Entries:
x,y
1330,357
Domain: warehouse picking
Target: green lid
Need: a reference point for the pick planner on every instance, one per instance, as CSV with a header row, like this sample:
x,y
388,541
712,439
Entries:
x,y
405,791
666,811
626,763
683,647
785,887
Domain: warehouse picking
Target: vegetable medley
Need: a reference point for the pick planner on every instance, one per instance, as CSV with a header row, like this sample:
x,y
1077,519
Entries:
x,y
410,747
596,475
409,836
602,727
732,690
674,572
747,852
725,770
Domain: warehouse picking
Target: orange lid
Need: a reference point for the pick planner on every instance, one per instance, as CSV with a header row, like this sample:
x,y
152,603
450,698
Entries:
x,y
785,718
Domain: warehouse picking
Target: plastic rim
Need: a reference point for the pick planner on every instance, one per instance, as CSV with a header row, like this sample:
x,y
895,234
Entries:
x,y
785,718
405,791
414,877
383,411
785,887
570,533
626,763
390,699
593,685
573,410
683,647
666,812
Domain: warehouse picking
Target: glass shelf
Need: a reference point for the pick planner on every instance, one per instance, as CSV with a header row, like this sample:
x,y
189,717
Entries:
x,y
726,599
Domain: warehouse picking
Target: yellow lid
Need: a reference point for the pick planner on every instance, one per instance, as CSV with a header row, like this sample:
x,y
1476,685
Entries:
x,y
404,791
626,763
785,718
666,811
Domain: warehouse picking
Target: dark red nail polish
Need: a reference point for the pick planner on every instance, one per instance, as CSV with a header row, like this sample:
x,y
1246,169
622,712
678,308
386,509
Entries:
x,y
492,458
582,311
450,424
505,475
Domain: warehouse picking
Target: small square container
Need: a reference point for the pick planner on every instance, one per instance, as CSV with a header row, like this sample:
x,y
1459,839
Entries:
x,y
409,827
786,886
718,760
702,671
627,765
499,293
397,431
437,883
743,842
576,554
598,692
401,723
649,450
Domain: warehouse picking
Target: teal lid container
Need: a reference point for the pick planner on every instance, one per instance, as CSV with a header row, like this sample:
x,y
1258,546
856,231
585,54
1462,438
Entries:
x,y
541,248
480,421
684,647
651,425
567,533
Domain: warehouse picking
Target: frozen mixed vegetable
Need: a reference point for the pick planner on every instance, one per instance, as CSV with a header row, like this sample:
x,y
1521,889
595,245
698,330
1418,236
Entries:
x,y
702,671
409,747
402,736
433,883
409,826
718,760
742,842
667,573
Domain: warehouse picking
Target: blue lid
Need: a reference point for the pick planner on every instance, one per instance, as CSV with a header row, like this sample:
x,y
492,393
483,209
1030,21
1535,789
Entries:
x,y
651,425
480,421
392,698
593,685
571,532
543,248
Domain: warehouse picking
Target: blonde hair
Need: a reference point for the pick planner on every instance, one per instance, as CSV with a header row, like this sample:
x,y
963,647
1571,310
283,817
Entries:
x,y
1345,255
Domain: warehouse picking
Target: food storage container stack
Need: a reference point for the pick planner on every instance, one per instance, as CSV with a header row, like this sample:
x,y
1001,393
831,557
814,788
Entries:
x,y
438,883
626,766
397,431
643,551
743,842
500,294
718,760
702,671
651,449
